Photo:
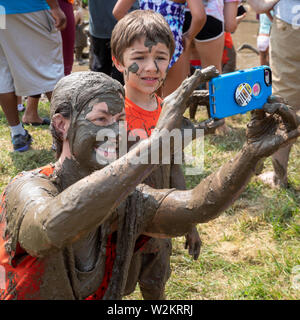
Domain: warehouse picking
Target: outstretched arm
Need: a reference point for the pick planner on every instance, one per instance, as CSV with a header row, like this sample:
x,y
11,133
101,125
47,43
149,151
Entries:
x,y
181,210
121,8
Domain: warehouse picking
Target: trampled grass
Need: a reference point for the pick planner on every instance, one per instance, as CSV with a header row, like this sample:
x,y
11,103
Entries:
x,y
251,252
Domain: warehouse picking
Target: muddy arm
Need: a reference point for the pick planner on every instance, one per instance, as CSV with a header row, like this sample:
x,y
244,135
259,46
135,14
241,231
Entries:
x,y
62,219
180,210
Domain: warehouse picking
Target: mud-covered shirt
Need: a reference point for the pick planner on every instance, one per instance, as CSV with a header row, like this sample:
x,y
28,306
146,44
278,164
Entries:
x,y
24,277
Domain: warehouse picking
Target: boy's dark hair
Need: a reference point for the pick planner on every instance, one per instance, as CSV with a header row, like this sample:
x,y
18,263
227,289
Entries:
x,y
137,24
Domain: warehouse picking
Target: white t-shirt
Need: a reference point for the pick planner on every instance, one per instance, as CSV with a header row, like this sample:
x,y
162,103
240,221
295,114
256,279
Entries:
x,y
288,11
215,8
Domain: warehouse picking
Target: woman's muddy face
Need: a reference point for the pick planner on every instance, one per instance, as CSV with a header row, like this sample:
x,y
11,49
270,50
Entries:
x,y
95,142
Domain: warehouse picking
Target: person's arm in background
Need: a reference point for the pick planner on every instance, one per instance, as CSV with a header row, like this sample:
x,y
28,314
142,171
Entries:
x,y
121,8
230,14
57,14
78,15
198,21
262,6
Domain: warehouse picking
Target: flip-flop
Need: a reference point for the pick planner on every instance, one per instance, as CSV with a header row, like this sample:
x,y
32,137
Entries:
x,y
45,121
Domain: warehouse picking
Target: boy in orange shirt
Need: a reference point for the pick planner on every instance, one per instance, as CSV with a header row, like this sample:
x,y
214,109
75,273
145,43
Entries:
x,y
144,65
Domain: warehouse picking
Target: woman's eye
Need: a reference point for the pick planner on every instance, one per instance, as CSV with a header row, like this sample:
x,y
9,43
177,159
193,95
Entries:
x,y
101,119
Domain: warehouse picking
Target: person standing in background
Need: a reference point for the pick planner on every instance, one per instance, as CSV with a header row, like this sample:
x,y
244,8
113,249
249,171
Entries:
x,y
31,115
102,23
285,65
30,57
263,38
68,35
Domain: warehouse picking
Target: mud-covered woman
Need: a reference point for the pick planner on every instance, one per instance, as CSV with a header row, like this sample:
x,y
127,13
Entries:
x,y
68,230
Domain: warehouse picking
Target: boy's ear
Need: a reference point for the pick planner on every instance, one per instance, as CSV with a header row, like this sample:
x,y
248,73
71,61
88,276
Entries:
x,y
118,64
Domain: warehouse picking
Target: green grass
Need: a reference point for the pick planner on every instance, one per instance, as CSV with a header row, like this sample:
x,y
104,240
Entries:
x,y
248,253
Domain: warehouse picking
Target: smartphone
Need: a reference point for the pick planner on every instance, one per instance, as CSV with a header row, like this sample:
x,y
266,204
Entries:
x,y
239,92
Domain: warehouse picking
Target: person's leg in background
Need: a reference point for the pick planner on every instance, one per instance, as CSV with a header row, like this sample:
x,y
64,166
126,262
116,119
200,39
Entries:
x,y
285,65
210,53
21,139
68,36
156,271
21,107
9,101
102,60
31,115
263,41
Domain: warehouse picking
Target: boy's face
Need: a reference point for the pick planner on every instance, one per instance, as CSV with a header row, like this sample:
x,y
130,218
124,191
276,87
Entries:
x,y
144,65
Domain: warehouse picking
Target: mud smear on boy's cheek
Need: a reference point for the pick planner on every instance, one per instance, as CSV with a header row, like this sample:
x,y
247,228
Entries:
x,y
134,68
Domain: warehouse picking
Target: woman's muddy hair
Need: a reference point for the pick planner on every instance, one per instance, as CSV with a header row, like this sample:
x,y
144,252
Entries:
x,y
73,92
137,24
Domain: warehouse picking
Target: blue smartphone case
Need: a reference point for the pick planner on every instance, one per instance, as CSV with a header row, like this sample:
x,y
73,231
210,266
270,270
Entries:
x,y
239,92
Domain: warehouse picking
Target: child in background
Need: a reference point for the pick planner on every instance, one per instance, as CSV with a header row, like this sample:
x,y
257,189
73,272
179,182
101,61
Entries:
x,y
173,12
80,35
142,46
263,38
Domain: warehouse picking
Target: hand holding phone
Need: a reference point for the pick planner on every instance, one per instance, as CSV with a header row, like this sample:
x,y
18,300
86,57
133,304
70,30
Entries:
x,y
239,92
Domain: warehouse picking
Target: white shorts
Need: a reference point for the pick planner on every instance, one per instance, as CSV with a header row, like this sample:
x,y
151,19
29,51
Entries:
x,y
31,60
263,42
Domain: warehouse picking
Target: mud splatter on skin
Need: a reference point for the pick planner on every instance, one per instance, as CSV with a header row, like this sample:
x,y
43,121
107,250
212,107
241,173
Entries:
x,y
133,68
149,43
156,66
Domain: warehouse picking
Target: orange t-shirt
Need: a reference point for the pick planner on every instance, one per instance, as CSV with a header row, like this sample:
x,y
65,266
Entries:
x,y
141,122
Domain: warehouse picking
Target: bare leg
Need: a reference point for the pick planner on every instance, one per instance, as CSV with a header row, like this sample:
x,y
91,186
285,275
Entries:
x,y
8,102
211,53
31,113
49,95
264,58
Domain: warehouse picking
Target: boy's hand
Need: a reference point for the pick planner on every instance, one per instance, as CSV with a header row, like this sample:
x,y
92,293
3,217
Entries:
x,y
175,104
267,133
193,243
